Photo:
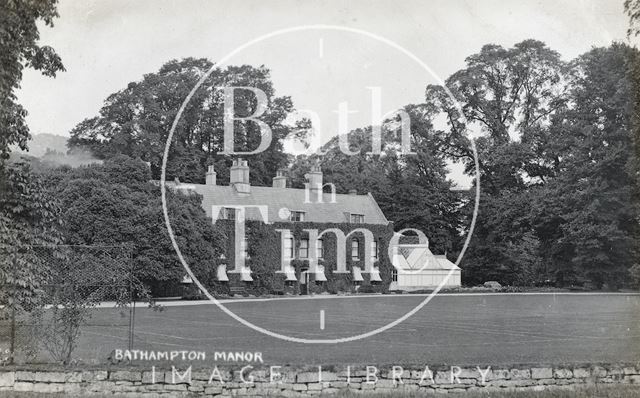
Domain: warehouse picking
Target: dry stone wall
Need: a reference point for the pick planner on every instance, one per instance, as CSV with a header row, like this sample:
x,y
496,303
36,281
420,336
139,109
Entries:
x,y
302,382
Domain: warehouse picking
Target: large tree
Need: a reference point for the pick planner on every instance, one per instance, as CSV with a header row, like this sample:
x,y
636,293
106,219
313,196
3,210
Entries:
x,y
588,215
507,96
115,204
411,189
136,120
19,49
28,217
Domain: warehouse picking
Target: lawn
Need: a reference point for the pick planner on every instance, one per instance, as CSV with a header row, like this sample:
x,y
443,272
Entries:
x,y
452,329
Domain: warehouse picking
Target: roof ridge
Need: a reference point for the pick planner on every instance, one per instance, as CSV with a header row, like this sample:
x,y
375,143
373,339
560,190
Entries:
x,y
278,188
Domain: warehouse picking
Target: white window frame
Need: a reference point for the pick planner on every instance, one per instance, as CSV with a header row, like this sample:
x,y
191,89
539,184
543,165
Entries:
x,y
356,218
355,244
288,251
302,215
320,248
302,247
374,249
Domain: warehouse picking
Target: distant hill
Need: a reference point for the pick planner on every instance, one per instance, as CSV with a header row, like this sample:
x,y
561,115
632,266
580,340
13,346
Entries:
x,y
39,144
49,150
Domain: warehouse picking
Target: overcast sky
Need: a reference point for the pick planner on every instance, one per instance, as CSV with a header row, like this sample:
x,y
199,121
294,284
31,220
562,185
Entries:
x,y
106,44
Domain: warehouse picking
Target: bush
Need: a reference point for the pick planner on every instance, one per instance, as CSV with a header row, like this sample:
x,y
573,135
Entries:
x,y
366,289
634,273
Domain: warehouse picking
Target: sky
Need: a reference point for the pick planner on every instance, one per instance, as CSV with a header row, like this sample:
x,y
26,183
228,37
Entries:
x,y
105,44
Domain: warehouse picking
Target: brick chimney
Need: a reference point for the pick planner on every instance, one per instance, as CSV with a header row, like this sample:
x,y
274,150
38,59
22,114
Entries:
x,y
239,176
210,176
314,178
280,180
353,192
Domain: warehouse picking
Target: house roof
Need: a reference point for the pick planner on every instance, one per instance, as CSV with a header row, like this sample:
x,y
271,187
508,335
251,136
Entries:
x,y
292,199
419,257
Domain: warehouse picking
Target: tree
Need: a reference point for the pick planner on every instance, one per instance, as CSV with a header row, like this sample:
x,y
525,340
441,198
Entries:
x,y
589,213
572,192
136,121
116,204
19,49
632,8
412,190
504,246
27,216
508,96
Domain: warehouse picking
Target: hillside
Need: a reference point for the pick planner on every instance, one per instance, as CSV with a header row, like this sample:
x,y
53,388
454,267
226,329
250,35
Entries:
x,y
39,144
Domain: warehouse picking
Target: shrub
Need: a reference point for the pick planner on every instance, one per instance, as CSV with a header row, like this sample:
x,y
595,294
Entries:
x,y
634,273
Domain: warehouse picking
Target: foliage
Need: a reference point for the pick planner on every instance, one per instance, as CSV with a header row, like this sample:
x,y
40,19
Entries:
x,y
411,190
557,163
508,95
81,278
136,121
632,8
19,49
264,252
116,204
503,247
634,273
589,213
28,218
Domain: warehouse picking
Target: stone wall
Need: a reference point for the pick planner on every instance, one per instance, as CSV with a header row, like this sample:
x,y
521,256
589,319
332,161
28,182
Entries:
x,y
291,381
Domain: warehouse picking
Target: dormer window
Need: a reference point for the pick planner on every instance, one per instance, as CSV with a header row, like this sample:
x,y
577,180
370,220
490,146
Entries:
x,y
357,218
297,216
229,213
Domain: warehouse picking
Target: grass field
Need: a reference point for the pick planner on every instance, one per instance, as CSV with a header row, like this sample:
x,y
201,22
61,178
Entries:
x,y
451,329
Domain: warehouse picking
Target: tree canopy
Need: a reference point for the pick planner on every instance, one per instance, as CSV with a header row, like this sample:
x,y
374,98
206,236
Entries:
x,y
136,120
115,203
28,217
558,154
558,165
19,49
412,190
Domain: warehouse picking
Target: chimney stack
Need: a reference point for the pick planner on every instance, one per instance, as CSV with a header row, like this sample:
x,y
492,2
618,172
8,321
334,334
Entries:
x,y
210,176
353,192
280,180
239,176
314,178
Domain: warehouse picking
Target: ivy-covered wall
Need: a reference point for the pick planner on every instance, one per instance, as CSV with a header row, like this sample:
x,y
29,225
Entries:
x,y
265,259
